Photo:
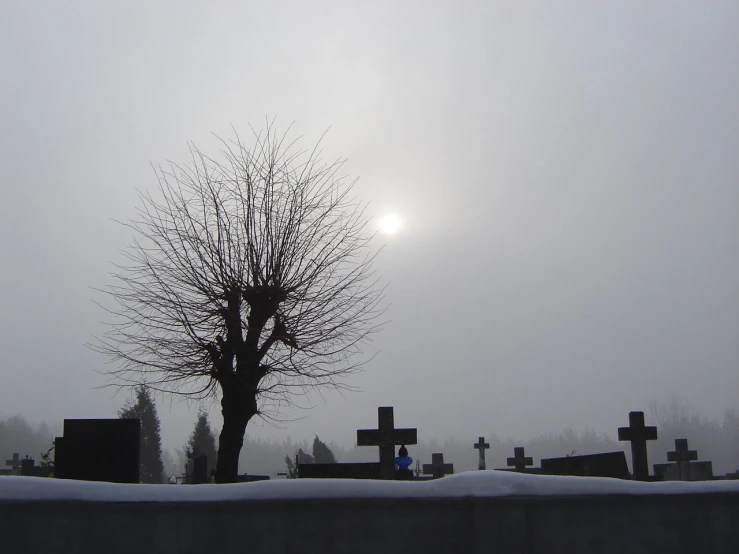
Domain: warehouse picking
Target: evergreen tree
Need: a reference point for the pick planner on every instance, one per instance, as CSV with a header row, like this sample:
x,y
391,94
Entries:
x,y
203,439
304,457
151,468
322,453
292,469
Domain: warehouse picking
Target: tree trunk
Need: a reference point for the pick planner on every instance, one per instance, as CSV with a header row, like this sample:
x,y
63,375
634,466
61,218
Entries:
x,y
238,407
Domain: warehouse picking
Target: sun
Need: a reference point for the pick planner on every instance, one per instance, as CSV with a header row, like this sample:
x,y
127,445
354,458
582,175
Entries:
x,y
389,224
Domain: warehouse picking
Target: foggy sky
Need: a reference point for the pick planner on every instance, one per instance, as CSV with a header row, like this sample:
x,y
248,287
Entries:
x,y
566,173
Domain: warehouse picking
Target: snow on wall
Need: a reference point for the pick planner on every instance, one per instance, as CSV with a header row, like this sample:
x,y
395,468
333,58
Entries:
x,y
469,484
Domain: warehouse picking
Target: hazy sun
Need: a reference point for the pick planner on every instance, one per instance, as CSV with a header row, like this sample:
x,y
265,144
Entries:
x,y
389,224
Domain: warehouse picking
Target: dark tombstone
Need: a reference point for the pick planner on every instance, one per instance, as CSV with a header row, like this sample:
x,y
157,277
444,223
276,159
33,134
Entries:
x,y
340,471
732,476
28,467
684,467
199,470
607,464
98,450
519,460
481,446
682,456
15,464
386,437
681,452
638,435
690,471
700,471
437,467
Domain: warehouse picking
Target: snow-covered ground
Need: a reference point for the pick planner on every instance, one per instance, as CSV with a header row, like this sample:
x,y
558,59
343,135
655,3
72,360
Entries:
x,y
473,483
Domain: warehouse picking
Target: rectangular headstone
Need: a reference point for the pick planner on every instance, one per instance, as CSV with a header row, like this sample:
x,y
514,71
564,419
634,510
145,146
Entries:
x,y
199,470
28,468
371,470
608,464
98,450
685,471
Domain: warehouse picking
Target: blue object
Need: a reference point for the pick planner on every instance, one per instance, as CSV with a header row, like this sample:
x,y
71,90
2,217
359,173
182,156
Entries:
x,y
403,460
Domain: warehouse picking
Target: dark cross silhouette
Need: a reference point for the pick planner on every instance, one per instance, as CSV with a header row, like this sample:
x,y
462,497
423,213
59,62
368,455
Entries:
x,y
386,437
15,463
437,467
519,460
681,453
481,446
638,435
682,456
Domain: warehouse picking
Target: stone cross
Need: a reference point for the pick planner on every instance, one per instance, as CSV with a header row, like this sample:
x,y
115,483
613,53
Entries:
x,y
683,457
481,446
681,453
638,435
519,460
386,437
15,463
437,467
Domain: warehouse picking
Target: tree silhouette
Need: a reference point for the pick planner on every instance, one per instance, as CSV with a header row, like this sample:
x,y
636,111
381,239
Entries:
x,y
250,278
322,453
203,440
151,466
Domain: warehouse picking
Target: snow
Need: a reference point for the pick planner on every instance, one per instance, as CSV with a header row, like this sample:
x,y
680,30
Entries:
x,y
469,484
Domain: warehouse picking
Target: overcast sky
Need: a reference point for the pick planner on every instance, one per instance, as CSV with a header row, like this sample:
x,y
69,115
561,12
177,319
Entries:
x,y
566,174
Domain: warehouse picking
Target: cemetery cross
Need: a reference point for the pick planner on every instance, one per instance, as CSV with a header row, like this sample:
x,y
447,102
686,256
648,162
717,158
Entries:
x,y
386,437
481,446
681,453
682,456
638,435
519,460
15,463
437,467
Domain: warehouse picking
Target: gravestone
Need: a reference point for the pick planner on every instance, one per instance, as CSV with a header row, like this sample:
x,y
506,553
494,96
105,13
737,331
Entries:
x,y
15,464
684,467
519,460
691,471
28,467
386,437
196,468
481,446
98,450
682,457
437,467
607,464
638,435
199,470
732,476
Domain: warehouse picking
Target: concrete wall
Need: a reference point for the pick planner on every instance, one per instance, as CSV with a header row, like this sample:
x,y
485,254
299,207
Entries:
x,y
649,524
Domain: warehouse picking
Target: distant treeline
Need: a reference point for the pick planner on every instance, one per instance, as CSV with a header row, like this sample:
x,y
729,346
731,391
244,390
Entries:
x,y
17,435
717,441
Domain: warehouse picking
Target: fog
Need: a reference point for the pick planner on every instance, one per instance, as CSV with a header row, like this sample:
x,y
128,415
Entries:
x,y
565,174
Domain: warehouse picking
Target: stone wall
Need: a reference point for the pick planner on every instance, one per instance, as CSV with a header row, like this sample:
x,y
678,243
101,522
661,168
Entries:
x,y
649,524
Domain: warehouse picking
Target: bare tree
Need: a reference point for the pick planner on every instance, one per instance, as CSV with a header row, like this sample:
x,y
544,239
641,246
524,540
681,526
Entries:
x,y
249,279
